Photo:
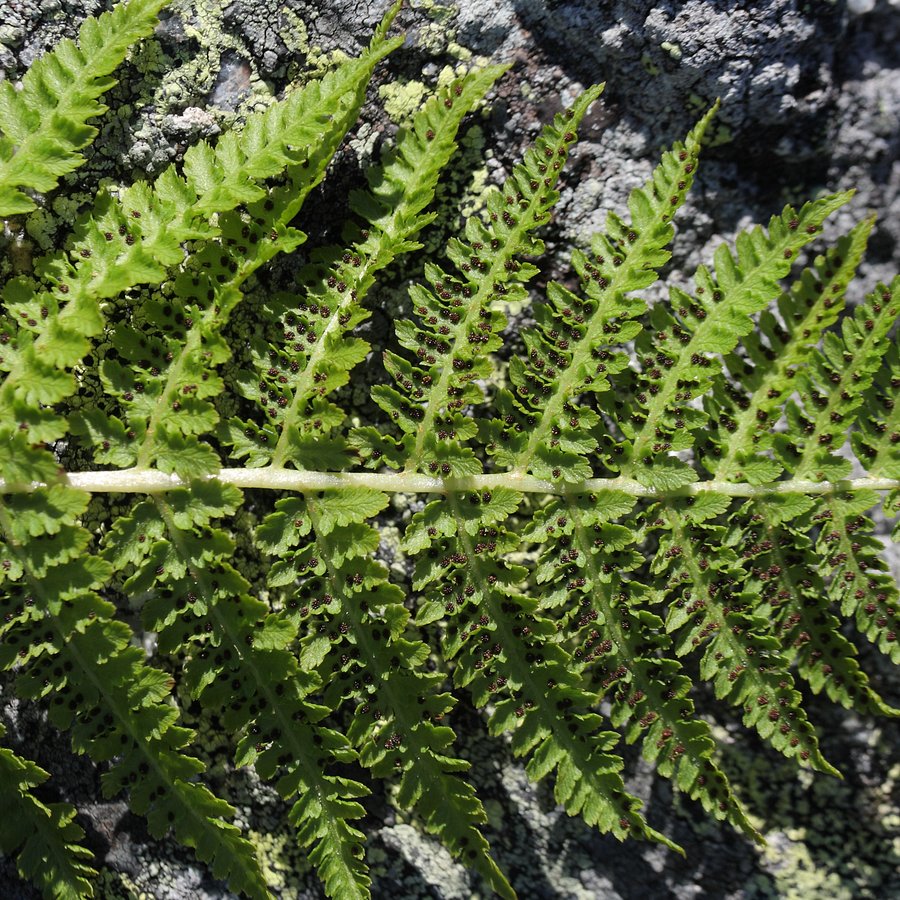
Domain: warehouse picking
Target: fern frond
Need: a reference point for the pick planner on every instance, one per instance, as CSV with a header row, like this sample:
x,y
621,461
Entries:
x,y
479,592
621,647
501,644
240,664
660,420
137,238
768,369
543,430
61,639
839,381
354,628
43,837
458,326
463,576
316,352
643,499
792,598
44,125
710,608
167,387
298,428
795,600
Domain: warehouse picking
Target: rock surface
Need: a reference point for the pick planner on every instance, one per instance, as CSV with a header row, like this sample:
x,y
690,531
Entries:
x,y
810,102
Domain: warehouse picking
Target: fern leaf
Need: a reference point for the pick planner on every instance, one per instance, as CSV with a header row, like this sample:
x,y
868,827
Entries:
x,y
167,389
44,837
624,572
61,638
660,421
795,600
463,575
807,309
459,327
355,642
622,648
838,382
316,351
399,192
137,238
44,126
240,664
542,429
499,640
708,608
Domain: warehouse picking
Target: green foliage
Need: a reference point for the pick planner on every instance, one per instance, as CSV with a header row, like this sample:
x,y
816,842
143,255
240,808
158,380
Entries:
x,y
44,125
43,836
634,497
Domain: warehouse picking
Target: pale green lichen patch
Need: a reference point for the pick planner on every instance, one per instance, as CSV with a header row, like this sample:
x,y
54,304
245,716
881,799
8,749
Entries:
x,y
825,837
401,99
673,49
316,61
220,51
115,885
439,37
277,854
649,65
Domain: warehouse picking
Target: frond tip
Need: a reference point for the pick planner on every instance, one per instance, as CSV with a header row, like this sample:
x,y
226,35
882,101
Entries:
x,y
44,126
43,837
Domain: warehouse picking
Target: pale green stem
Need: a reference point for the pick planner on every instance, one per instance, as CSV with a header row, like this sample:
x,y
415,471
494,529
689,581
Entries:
x,y
151,481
